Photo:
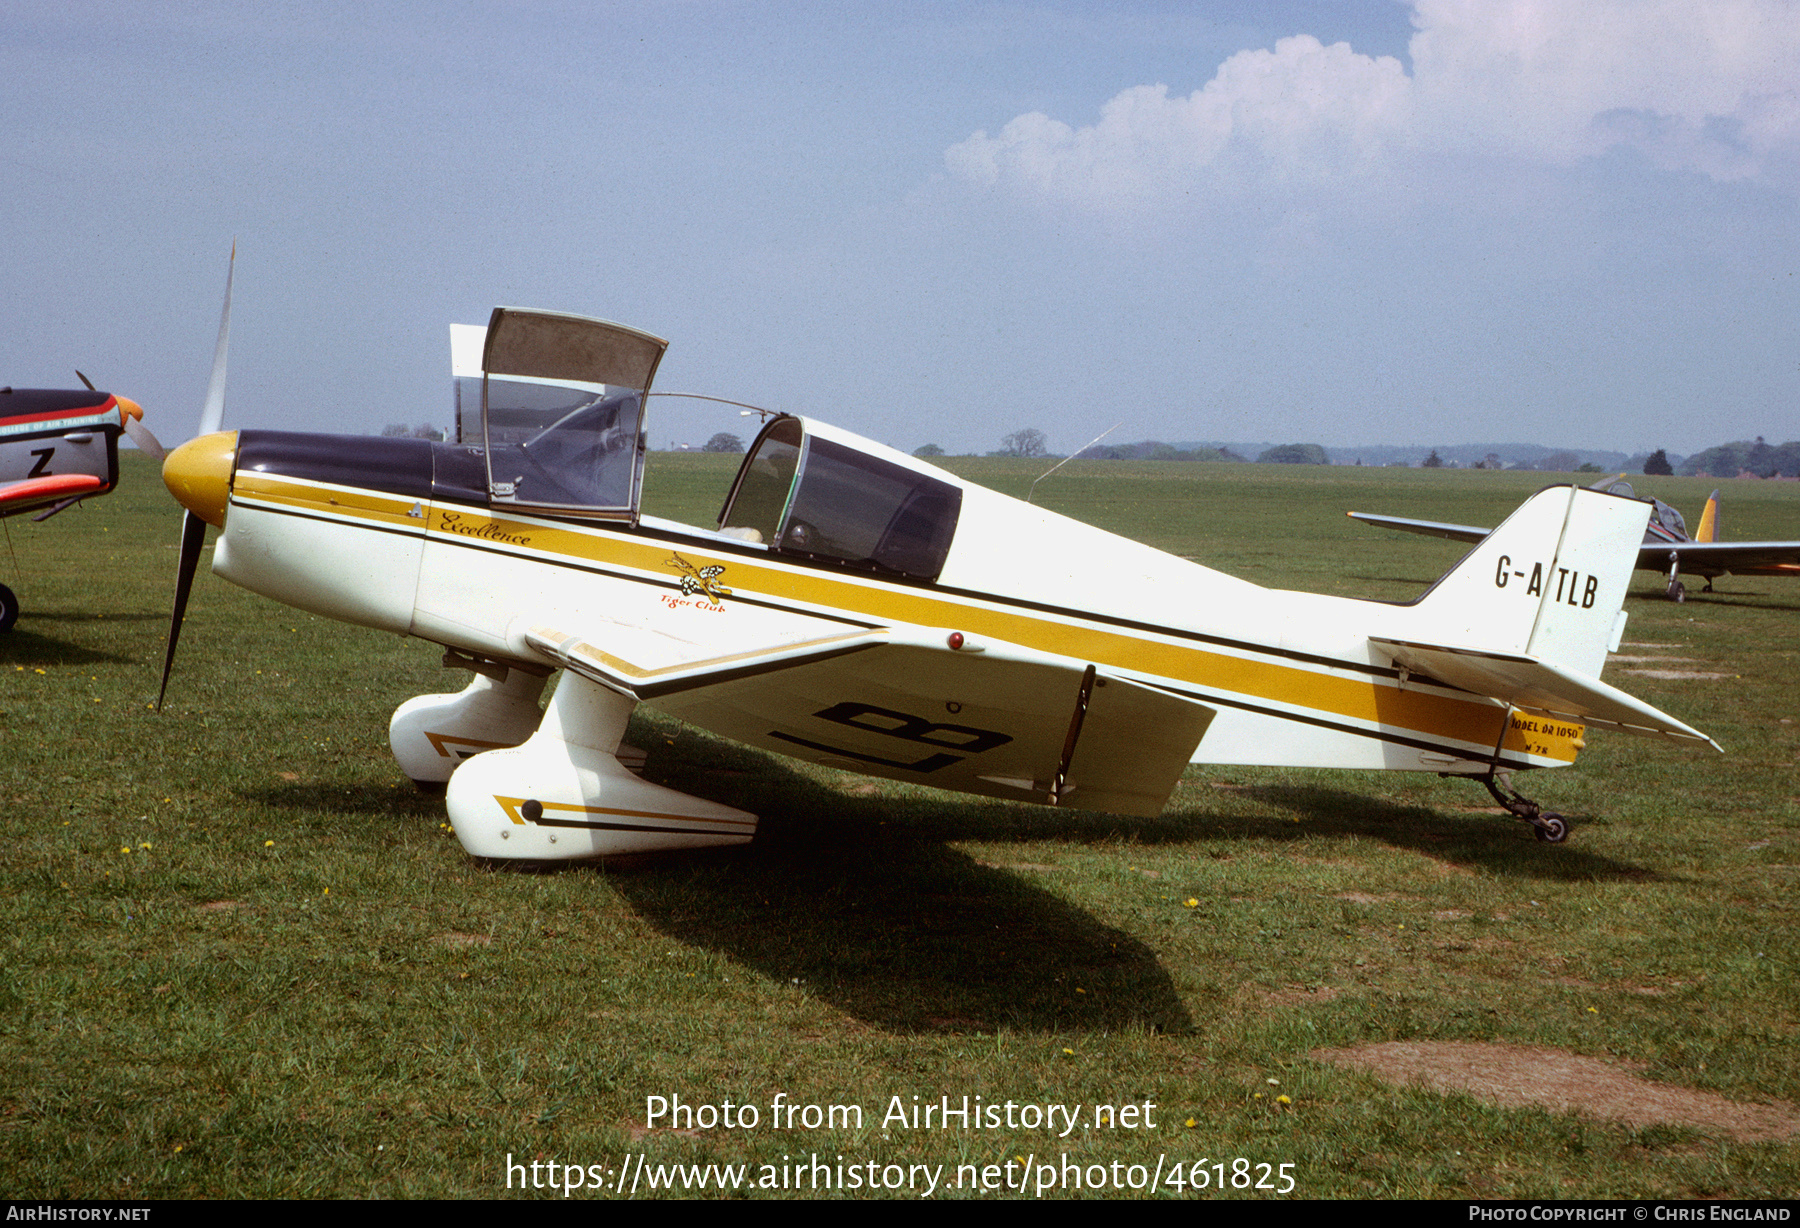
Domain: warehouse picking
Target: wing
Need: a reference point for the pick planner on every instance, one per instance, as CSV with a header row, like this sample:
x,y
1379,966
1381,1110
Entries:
x,y
1725,558
991,719
1428,528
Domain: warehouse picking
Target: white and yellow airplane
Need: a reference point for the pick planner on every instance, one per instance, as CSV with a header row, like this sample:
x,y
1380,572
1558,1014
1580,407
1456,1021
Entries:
x,y
859,608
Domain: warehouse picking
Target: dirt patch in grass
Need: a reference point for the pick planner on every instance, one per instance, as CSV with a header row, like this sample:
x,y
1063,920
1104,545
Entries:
x,y
1518,1075
1674,673
1642,991
1299,995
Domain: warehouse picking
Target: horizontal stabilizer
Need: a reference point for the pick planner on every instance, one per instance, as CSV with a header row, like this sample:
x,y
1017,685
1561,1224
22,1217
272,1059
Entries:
x,y
1537,686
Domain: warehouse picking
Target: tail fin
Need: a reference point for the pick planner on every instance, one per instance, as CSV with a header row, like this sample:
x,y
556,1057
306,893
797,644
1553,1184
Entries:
x,y
1549,583
1709,520
1527,617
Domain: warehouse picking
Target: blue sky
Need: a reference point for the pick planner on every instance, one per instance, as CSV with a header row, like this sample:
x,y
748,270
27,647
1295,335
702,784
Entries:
x,y
1346,223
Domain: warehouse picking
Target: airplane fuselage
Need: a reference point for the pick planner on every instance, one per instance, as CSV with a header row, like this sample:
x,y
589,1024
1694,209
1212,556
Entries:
x,y
398,534
57,445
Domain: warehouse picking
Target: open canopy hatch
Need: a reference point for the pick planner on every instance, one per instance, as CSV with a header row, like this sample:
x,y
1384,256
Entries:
x,y
562,412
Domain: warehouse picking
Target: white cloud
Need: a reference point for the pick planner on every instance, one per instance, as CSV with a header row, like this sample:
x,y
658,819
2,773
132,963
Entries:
x,y
1710,87
1302,110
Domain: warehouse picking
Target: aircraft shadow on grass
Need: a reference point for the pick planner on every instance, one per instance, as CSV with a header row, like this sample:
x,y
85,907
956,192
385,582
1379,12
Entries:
x,y
29,648
860,901
1467,841
858,896
1739,600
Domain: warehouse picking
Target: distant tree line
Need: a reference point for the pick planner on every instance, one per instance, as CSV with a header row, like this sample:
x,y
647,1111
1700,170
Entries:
x,y
1757,457
1153,449
1294,454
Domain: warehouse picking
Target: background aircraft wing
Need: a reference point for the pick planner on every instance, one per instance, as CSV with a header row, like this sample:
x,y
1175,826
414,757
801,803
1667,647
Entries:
x,y
33,493
1725,558
990,719
1429,528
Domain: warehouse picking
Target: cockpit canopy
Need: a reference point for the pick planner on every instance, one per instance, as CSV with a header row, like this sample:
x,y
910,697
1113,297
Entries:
x,y
562,412
805,494
1662,514
561,425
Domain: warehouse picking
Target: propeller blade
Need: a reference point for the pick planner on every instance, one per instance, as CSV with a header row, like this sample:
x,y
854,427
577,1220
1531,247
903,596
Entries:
x,y
213,413
84,379
146,442
193,537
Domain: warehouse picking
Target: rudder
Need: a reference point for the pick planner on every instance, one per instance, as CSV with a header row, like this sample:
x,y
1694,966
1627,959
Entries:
x,y
1549,583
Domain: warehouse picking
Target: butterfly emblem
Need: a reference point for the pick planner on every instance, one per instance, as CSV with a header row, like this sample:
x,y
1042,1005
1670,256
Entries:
x,y
699,580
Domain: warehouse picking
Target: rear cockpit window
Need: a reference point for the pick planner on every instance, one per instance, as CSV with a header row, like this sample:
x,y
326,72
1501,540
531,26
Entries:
x,y
820,499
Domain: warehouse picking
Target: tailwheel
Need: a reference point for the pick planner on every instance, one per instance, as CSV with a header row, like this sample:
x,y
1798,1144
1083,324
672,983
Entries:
x,y
1546,825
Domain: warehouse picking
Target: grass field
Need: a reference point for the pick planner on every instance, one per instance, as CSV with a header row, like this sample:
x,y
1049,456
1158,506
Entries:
x,y
241,956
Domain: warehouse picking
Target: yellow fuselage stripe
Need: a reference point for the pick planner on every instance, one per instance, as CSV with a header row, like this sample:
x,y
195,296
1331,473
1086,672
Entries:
x,y
1471,721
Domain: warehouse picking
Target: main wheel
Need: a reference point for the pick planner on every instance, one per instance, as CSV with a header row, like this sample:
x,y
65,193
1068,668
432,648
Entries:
x,y
1677,591
9,608
1552,828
